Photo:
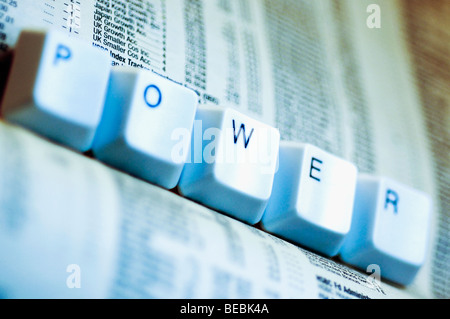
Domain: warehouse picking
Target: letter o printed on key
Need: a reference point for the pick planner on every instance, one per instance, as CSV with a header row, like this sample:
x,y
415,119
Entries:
x,y
146,96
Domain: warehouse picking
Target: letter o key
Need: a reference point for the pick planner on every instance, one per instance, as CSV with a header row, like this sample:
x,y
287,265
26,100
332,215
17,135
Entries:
x,y
155,96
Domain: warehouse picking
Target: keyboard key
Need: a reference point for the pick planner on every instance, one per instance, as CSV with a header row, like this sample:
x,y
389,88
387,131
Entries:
x,y
145,120
56,87
232,164
390,229
312,198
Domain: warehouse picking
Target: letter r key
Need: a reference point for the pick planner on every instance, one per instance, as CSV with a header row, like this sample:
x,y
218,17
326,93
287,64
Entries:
x,y
390,228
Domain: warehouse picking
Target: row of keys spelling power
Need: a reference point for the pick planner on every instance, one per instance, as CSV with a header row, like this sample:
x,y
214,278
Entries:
x,y
153,128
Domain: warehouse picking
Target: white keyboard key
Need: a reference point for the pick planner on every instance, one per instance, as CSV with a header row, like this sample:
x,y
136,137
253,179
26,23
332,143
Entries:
x,y
57,87
390,229
312,198
143,112
232,164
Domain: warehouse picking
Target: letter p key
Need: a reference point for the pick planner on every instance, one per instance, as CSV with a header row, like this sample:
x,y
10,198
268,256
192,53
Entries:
x,y
57,87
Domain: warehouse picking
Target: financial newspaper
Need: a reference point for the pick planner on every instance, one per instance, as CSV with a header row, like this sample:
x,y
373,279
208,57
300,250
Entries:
x,y
351,77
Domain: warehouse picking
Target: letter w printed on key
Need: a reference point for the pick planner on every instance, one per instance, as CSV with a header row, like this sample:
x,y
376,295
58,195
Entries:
x,y
242,128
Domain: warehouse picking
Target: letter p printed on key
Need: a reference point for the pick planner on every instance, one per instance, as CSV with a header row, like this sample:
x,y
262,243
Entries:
x,y
62,53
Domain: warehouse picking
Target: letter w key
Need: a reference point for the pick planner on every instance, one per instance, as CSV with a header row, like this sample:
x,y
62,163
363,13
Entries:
x,y
244,174
242,128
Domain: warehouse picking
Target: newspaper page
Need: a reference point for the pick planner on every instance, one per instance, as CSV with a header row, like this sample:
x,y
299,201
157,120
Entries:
x,y
325,72
428,33
106,234
348,88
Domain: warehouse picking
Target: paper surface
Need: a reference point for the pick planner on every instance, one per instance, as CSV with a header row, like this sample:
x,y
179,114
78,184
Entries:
x,y
108,235
316,70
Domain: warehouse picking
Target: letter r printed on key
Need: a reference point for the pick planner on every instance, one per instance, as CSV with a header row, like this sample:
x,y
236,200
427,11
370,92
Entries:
x,y
392,199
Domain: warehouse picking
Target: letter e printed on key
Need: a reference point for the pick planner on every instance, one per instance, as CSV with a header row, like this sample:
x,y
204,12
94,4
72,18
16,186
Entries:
x,y
316,168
